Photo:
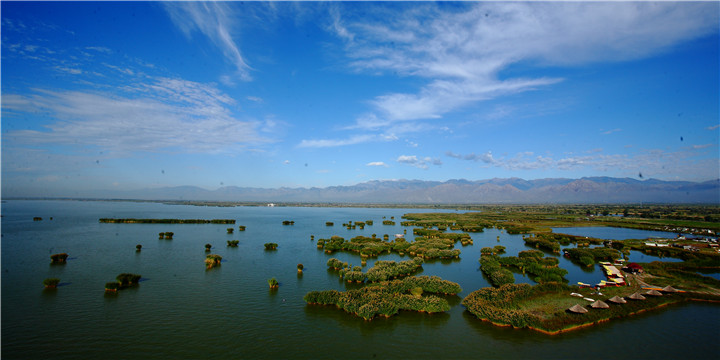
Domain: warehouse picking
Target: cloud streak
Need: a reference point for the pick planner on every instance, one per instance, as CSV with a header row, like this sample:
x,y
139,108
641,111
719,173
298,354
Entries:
x,y
171,115
422,163
651,162
215,21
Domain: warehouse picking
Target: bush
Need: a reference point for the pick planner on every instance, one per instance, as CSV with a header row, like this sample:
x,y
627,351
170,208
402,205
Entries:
x,y
271,246
273,283
233,243
51,282
501,277
127,279
213,260
58,258
112,286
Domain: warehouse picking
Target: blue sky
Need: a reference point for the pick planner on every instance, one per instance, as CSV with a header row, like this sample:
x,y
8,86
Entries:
x,y
139,95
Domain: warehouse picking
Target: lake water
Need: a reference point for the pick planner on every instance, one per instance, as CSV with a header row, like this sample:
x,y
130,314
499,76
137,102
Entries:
x,y
181,310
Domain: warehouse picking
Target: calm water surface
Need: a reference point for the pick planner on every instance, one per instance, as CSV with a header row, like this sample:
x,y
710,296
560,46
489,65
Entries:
x,y
182,310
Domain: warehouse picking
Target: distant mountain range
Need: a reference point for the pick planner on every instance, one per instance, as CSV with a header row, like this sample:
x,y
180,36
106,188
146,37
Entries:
x,y
492,191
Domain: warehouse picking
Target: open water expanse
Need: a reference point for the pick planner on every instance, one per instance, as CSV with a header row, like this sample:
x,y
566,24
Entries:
x,y
181,310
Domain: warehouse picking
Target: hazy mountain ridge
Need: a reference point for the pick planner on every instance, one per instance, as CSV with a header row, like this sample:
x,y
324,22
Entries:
x,y
455,191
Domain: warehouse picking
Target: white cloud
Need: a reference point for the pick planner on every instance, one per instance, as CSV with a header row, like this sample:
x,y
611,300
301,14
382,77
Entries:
x,y
101,49
162,115
486,158
461,50
215,21
376,163
714,127
658,163
422,163
68,70
703,146
357,139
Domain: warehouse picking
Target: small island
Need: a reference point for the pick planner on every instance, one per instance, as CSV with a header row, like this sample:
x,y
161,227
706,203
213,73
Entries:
x,y
51,283
58,258
123,281
428,245
212,260
389,297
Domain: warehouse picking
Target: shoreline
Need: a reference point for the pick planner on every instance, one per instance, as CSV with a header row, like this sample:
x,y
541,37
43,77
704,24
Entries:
x,y
598,322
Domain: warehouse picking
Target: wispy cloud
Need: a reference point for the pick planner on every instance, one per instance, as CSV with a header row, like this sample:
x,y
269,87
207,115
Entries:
x,y
377,163
461,50
658,163
714,127
703,146
486,158
161,115
608,132
214,20
422,163
358,139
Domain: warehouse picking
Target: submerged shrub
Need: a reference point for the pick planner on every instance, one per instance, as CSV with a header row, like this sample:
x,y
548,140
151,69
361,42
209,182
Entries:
x,y
58,258
127,279
111,286
51,282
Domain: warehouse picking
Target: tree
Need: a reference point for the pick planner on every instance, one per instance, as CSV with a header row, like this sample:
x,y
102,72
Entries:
x,y
51,282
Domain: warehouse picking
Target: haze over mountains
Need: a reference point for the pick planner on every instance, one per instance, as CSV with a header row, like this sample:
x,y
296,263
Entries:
x,y
508,190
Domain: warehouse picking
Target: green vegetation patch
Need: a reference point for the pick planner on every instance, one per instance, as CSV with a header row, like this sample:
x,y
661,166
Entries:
x,y
424,247
542,269
387,298
589,256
